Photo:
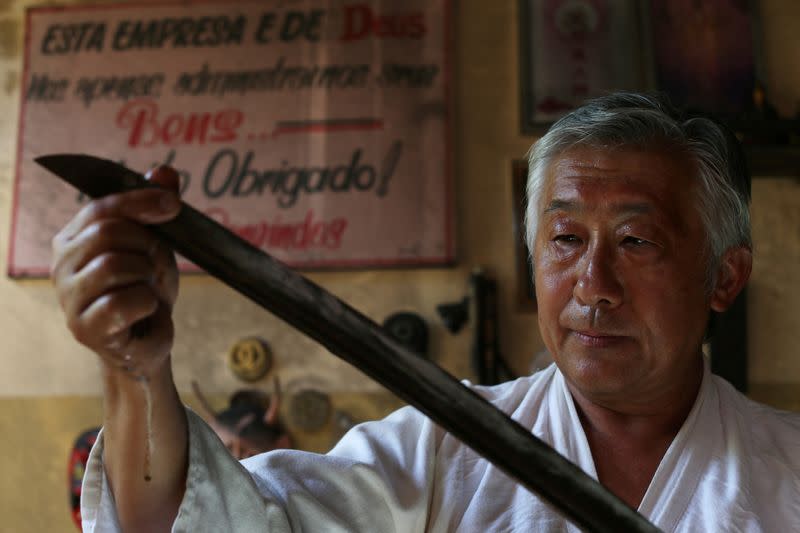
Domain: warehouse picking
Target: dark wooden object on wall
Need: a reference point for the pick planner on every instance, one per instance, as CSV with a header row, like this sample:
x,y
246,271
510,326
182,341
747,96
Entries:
x,y
526,294
729,344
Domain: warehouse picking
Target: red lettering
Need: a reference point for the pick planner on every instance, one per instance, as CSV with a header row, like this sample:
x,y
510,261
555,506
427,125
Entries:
x,y
277,234
360,21
357,20
226,122
416,26
197,127
334,233
145,126
137,116
173,127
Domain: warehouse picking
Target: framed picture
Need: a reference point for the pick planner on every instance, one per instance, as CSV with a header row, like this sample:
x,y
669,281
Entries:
x,y
572,50
704,55
526,294
312,149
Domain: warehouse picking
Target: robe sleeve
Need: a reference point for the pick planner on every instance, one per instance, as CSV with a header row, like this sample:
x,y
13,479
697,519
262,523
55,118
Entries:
x,y
377,478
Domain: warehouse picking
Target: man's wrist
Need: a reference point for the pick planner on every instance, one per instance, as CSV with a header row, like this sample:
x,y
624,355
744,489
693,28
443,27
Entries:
x,y
122,383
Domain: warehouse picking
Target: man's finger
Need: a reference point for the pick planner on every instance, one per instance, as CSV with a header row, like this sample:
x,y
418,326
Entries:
x,y
102,236
146,206
108,272
166,177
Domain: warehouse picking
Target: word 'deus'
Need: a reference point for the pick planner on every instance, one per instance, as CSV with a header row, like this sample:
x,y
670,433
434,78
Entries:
x,y
360,22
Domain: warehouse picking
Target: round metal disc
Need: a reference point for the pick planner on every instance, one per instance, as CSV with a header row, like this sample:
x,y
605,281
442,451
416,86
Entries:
x,y
250,359
309,410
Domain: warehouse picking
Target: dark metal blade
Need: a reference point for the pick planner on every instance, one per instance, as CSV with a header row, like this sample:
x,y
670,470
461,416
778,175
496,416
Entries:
x,y
364,344
91,175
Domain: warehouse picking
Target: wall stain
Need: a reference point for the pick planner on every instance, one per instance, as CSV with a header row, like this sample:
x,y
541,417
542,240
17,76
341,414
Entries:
x,y
9,38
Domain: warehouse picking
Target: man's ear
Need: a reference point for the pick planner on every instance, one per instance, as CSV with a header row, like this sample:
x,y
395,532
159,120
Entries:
x,y
734,271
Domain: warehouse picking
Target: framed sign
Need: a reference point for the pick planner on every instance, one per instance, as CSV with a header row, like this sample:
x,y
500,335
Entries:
x,y
571,50
702,55
318,130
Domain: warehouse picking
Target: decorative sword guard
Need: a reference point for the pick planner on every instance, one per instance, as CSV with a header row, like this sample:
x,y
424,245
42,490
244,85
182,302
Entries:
x,y
355,338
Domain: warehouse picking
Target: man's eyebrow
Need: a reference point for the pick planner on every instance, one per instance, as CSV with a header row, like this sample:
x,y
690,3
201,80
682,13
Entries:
x,y
633,208
561,205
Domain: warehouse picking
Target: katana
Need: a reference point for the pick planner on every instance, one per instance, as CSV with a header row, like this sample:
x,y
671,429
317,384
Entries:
x,y
361,342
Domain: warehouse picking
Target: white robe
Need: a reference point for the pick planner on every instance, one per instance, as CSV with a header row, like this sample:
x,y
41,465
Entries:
x,y
734,466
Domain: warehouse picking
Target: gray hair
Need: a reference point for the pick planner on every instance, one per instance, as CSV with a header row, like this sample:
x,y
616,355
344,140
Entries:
x,y
643,121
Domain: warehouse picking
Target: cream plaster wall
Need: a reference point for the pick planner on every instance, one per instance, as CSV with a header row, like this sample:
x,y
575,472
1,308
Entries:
x,y
48,385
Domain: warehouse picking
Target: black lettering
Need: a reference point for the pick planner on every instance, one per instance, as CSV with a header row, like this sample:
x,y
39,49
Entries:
x,y
343,184
178,33
408,76
248,177
314,25
317,185
232,161
115,88
50,36
290,187
42,88
72,38
389,166
96,38
355,172
293,24
237,175
264,26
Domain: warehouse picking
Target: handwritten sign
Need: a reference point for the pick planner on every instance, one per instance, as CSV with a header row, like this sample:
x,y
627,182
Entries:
x,y
316,129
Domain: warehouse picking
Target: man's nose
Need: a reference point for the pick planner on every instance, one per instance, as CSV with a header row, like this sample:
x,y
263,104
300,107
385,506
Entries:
x,y
598,283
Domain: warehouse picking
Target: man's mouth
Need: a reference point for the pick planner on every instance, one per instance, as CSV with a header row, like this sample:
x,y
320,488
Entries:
x,y
597,339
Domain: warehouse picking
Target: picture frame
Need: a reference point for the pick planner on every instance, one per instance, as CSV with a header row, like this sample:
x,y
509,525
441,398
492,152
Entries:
x,y
332,187
769,132
574,50
705,56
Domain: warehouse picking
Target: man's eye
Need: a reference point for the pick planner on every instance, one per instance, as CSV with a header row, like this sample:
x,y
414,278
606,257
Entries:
x,y
566,238
635,241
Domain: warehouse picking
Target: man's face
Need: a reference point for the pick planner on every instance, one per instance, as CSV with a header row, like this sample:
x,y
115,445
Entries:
x,y
621,272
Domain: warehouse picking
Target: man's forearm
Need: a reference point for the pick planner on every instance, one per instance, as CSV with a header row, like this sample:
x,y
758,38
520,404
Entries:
x,y
145,505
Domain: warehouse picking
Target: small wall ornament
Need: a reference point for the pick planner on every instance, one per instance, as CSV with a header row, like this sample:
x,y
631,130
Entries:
x,y
250,359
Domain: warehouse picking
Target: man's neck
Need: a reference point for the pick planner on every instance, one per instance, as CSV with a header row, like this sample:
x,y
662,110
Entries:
x,y
628,439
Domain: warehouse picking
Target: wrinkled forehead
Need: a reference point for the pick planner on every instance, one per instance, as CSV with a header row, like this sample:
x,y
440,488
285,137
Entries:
x,y
656,180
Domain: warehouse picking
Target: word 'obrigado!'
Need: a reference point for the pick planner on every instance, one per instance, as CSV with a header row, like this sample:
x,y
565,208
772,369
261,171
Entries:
x,y
231,174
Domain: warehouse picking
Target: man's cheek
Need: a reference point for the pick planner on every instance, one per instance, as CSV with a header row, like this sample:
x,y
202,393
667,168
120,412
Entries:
x,y
552,284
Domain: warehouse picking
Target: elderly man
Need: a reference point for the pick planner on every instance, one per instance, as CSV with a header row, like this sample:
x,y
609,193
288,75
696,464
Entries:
x,y
638,227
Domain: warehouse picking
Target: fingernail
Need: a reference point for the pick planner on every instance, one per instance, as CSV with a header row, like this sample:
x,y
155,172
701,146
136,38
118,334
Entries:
x,y
169,202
